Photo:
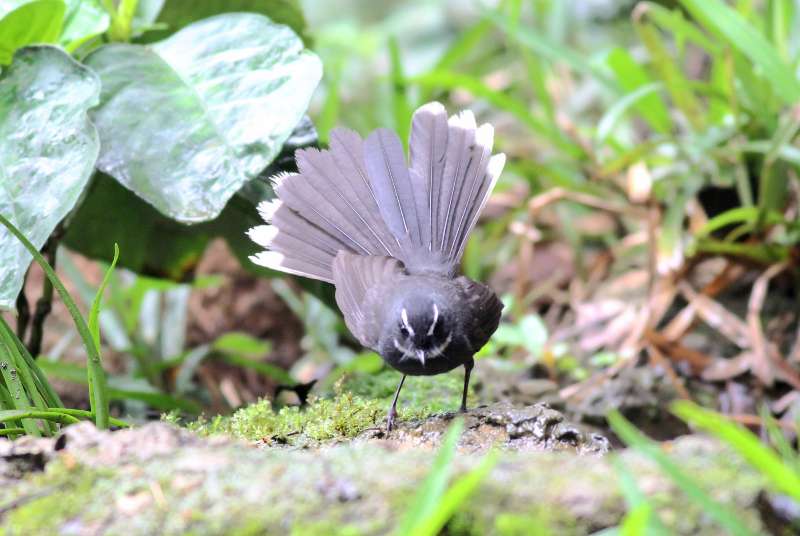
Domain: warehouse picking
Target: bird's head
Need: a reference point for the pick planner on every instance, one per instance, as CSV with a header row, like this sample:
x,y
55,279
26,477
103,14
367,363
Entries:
x,y
420,327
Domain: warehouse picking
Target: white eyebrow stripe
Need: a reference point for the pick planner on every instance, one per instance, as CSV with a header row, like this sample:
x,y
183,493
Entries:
x,y
404,317
435,319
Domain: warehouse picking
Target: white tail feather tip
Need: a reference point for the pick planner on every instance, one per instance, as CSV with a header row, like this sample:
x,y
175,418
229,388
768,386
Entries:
x,y
496,164
263,235
267,209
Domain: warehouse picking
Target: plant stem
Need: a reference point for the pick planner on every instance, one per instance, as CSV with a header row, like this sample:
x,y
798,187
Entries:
x,y
23,310
45,303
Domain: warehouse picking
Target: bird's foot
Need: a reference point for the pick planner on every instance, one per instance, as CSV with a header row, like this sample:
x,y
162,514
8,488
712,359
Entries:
x,y
390,418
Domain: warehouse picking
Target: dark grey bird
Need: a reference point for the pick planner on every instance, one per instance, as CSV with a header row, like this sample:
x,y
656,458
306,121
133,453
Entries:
x,y
390,237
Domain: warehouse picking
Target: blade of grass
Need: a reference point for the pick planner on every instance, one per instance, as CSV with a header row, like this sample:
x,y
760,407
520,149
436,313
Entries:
x,y
464,44
24,373
543,46
762,253
666,65
724,516
94,316
615,113
517,108
26,414
724,21
11,431
745,443
269,370
329,115
632,76
675,23
7,402
736,215
400,103
52,398
430,493
117,388
82,413
94,364
641,517
19,398
461,490
779,441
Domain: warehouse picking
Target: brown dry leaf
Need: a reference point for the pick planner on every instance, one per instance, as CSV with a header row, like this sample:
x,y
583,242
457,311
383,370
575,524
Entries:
x,y
608,335
721,369
678,353
661,360
761,365
717,316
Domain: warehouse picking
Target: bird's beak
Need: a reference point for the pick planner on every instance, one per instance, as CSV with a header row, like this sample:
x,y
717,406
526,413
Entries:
x,y
421,356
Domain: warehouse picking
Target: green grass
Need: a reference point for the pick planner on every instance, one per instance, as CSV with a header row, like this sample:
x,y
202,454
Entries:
x,y
25,388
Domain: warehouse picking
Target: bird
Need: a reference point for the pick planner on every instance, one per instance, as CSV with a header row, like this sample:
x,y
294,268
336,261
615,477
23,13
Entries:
x,y
389,234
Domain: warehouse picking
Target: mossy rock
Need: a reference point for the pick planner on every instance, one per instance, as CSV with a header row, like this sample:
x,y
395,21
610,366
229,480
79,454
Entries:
x,y
159,479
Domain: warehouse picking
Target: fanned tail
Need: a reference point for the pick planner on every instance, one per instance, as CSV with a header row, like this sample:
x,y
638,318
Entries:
x,y
362,198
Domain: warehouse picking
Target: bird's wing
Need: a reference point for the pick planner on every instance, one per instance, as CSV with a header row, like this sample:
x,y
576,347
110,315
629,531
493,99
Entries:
x,y
483,309
359,280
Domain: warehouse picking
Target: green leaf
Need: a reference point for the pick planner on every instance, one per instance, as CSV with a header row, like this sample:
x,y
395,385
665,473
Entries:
x,y
35,22
160,247
48,151
241,344
452,80
428,497
721,19
543,46
633,77
781,475
746,215
461,490
634,99
84,19
185,122
667,67
120,388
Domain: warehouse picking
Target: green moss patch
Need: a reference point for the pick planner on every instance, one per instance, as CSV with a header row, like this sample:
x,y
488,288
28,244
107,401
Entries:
x,y
358,402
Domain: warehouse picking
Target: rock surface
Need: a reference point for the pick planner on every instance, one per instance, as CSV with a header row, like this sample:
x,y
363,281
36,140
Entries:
x,y
159,479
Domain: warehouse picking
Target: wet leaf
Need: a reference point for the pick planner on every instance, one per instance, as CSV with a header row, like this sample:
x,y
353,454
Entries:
x,y
185,122
161,247
48,152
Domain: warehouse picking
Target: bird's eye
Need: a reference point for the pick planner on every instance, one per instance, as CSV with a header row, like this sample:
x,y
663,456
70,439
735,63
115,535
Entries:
x,y
438,329
403,330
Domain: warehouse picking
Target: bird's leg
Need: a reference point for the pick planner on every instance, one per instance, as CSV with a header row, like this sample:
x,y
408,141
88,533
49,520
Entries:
x,y
393,410
467,369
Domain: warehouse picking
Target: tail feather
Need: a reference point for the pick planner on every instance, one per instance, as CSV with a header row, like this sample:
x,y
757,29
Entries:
x,y
361,197
391,182
470,185
345,161
428,149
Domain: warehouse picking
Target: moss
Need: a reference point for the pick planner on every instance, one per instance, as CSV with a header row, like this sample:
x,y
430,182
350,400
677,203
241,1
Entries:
x,y
341,417
421,395
51,498
358,402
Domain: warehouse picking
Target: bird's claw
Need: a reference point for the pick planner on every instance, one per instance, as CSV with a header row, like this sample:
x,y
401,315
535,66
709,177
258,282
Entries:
x,y
390,418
